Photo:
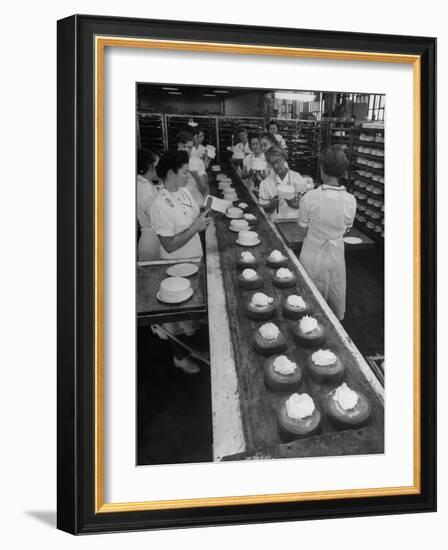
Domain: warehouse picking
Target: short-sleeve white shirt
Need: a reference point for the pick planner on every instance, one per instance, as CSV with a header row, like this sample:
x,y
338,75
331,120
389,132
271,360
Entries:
x,y
146,193
172,213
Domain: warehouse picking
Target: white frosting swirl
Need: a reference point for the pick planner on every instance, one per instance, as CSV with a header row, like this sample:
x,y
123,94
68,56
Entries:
x,y
269,331
259,299
283,273
247,256
282,365
242,205
296,301
299,405
276,256
249,217
323,357
308,324
346,398
249,274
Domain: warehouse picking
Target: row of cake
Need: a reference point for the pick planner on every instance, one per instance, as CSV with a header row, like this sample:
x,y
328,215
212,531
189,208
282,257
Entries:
x,y
298,415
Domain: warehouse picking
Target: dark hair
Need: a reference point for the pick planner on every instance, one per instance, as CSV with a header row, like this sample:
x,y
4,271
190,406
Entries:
x,y
271,138
333,161
197,130
240,129
253,136
275,150
184,137
171,161
272,122
145,159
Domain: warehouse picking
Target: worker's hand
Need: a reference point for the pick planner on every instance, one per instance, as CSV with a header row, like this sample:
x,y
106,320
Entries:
x,y
270,206
293,203
202,221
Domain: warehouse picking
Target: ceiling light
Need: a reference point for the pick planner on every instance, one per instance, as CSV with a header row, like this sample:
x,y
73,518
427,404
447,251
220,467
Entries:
x,y
175,93
166,88
295,96
209,95
221,91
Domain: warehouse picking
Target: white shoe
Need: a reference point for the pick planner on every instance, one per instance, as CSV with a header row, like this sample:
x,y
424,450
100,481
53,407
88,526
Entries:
x,y
186,364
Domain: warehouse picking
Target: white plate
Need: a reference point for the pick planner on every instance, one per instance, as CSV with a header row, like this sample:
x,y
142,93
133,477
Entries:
x,y
182,270
352,240
189,295
244,244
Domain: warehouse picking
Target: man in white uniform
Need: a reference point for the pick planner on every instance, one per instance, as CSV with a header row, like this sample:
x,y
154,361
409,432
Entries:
x,y
242,148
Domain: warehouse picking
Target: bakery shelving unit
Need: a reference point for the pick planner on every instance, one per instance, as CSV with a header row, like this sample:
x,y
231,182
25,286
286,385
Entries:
x,y
151,131
302,141
176,123
227,125
366,178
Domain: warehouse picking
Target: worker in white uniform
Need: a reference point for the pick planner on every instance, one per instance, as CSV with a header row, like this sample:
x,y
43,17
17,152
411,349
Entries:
x,y
273,129
177,220
148,244
197,180
328,213
242,147
281,190
254,164
198,150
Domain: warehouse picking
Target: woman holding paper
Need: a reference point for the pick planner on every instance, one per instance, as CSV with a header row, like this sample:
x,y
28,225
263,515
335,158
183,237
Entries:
x,y
178,221
175,214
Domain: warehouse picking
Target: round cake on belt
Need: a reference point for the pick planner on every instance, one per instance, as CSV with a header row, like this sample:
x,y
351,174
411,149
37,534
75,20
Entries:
x,y
260,307
347,408
282,374
239,225
251,218
230,195
224,185
298,417
309,332
247,259
249,279
248,238
284,278
234,212
295,307
325,367
174,289
276,259
269,340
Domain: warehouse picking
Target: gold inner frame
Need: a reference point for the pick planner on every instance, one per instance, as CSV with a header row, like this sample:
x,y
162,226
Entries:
x,y
101,42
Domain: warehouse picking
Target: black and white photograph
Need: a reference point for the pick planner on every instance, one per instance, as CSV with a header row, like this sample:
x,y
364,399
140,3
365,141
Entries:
x,y
260,273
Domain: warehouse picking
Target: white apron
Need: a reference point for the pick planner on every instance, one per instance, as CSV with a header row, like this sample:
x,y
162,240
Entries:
x,y
322,252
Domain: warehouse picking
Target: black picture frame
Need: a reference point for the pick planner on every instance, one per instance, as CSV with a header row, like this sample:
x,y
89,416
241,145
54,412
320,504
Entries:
x,y
76,255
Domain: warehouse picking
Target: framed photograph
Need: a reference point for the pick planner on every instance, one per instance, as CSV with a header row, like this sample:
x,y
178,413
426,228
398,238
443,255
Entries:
x,y
246,274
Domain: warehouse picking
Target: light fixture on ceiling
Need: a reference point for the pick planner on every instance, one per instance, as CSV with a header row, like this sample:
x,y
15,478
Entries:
x,y
167,88
174,93
209,95
296,96
221,91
